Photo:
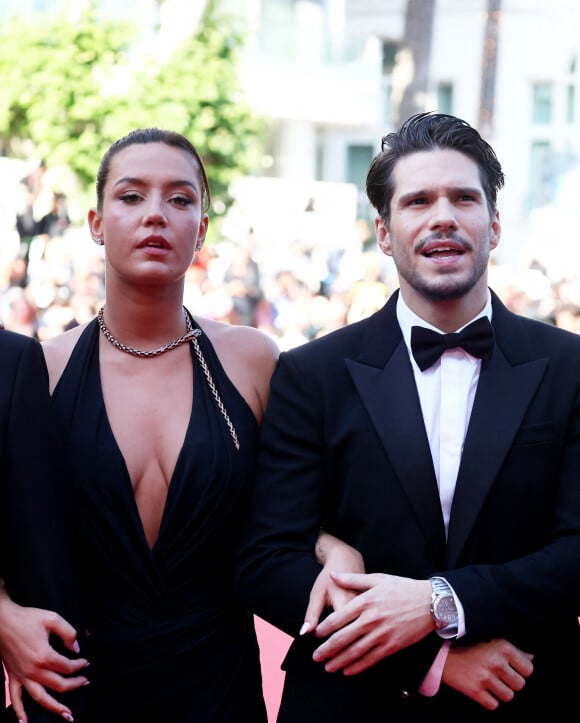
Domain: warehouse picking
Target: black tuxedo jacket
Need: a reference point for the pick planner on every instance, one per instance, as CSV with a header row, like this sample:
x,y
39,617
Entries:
x,y
344,447
35,551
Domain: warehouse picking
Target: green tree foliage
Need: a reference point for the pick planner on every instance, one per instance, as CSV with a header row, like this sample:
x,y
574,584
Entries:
x,y
196,91
53,71
72,86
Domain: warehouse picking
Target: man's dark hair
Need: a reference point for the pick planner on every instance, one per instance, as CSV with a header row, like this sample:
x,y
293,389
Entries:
x,y
424,132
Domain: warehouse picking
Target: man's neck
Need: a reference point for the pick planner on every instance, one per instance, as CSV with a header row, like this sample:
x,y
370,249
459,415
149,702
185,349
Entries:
x,y
449,315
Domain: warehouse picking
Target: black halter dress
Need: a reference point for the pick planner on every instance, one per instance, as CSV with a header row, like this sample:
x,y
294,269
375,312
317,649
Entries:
x,y
166,639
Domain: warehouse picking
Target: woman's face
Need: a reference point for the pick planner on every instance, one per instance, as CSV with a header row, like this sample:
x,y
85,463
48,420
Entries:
x,y
152,219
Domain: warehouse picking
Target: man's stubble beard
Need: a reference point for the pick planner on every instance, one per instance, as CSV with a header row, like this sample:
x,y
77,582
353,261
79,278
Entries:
x,y
450,289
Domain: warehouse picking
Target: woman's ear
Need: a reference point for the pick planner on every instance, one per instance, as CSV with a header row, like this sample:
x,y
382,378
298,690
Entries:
x,y
202,232
95,224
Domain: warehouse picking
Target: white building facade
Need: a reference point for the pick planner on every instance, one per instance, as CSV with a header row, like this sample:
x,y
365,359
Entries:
x,y
322,72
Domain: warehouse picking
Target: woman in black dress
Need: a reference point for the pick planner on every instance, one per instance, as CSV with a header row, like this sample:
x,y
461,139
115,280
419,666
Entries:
x,y
160,414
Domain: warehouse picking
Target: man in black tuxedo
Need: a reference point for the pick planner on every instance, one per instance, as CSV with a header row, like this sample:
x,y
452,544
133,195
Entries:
x,y
455,473
38,593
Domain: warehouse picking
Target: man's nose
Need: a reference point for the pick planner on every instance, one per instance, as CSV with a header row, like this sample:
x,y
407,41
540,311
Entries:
x,y
443,216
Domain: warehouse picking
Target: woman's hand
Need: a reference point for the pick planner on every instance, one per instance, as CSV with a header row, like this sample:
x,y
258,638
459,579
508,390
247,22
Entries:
x,y
336,556
490,673
31,662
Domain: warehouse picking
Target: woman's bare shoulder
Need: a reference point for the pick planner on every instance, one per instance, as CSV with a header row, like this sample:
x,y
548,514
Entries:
x,y
57,351
248,356
244,340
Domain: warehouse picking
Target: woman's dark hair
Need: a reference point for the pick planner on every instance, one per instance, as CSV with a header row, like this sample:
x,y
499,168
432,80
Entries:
x,y
424,132
150,135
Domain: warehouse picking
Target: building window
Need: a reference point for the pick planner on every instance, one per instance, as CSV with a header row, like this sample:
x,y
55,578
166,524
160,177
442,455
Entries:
x,y
542,103
445,98
571,104
540,174
389,55
358,160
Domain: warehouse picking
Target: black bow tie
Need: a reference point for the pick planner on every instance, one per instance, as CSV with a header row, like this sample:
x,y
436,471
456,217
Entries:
x,y
427,346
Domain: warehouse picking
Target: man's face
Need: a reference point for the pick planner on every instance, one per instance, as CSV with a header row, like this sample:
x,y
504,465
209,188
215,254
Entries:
x,y
440,232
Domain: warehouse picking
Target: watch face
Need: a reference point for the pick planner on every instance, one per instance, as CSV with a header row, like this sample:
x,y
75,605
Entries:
x,y
445,610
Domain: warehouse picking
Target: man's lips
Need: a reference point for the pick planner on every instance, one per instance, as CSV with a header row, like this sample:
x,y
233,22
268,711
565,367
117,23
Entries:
x,y
442,248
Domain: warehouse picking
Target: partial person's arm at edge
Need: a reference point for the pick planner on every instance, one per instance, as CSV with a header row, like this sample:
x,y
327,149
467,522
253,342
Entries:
x,y
30,660
36,535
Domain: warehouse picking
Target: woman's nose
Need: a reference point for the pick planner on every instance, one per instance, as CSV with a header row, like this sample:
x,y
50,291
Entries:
x,y
155,213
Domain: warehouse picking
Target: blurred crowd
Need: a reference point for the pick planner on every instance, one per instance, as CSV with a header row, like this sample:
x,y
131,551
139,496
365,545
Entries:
x,y
52,278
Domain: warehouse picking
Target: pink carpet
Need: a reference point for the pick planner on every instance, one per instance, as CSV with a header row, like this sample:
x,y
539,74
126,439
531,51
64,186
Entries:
x,y
273,646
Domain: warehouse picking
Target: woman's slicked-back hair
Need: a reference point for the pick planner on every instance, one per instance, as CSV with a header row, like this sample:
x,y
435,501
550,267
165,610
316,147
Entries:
x,y
424,132
150,135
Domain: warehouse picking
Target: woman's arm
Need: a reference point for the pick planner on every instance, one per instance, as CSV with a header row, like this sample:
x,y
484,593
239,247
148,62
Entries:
x,y
335,556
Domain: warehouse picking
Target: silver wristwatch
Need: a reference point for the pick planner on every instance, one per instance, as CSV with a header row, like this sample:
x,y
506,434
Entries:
x,y
443,609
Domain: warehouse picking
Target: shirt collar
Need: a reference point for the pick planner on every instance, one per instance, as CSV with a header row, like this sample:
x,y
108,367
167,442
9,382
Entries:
x,y
408,318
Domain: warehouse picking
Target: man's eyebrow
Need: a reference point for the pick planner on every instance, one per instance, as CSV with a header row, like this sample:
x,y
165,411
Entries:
x,y
413,194
458,190
468,190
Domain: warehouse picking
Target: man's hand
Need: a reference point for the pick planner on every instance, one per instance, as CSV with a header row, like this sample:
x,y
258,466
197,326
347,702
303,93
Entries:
x,y
388,614
31,662
335,555
490,673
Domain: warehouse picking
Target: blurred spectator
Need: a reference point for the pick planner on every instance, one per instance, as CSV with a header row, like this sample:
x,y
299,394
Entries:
x,y
27,220
294,291
370,292
17,274
568,317
56,221
19,312
242,282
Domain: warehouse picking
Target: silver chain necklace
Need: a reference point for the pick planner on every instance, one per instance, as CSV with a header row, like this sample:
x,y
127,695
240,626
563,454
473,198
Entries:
x,y
190,335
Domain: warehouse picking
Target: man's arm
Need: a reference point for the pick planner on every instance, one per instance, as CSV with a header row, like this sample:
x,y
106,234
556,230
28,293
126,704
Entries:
x,y
277,568
490,673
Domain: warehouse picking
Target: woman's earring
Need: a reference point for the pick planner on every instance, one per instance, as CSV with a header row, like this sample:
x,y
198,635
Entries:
x,y
98,240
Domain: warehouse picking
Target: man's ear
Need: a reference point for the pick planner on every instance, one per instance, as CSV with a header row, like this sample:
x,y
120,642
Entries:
x,y
495,232
383,236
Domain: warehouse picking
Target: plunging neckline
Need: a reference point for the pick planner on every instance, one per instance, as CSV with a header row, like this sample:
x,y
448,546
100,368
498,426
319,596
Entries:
x,y
127,480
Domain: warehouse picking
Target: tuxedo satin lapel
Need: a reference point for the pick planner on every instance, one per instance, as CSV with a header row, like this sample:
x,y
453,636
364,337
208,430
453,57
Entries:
x,y
503,394
390,397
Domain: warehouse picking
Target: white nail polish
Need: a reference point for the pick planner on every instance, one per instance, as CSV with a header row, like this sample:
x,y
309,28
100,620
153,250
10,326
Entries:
x,y
305,628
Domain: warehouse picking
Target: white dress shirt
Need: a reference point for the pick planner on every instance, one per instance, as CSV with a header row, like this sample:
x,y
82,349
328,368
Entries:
x,y
446,392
